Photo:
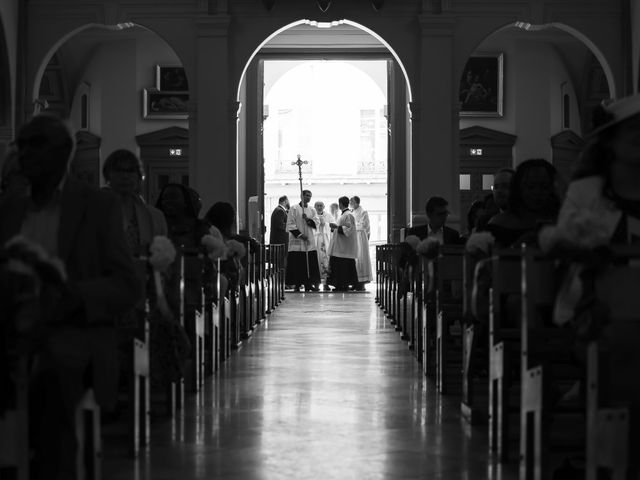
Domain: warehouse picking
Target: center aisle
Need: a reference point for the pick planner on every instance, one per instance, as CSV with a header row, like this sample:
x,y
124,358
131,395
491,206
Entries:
x,y
324,389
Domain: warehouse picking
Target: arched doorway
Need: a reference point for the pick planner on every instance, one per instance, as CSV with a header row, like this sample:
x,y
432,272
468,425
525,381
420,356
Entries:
x,y
332,44
114,83
545,80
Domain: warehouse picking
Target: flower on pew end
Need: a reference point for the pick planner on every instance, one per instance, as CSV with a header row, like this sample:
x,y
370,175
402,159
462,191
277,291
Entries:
x,y
214,245
216,233
480,243
412,240
429,247
25,252
581,232
162,253
236,249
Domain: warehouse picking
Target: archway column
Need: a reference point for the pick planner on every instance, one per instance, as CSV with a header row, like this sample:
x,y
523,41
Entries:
x,y
434,121
212,167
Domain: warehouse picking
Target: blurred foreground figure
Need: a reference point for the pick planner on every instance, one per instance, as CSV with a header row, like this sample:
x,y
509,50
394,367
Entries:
x,y
79,229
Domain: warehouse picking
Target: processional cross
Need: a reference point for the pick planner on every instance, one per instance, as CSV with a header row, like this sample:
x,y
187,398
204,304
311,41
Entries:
x,y
299,163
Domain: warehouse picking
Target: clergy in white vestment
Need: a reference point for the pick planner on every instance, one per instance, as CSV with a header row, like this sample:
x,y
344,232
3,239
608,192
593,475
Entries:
x,y
323,239
343,250
363,229
302,257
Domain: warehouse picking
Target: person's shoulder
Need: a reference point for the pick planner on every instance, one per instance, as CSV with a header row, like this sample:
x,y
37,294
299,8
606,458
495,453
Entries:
x,y
420,231
505,220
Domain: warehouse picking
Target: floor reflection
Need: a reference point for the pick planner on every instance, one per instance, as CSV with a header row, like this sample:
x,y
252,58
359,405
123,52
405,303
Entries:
x,y
329,391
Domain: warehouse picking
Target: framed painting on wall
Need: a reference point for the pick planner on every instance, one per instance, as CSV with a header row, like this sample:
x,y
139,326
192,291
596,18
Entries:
x,y
164,105
171,78
481,90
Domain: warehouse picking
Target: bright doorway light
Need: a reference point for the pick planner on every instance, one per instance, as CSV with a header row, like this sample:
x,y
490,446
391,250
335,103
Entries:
x,y
333,114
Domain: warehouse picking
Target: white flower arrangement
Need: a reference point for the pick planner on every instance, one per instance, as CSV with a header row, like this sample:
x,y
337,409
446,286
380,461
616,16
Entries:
x,y
214,244
24,252
583,230
429,247
480,243
162,253
412,240
236,249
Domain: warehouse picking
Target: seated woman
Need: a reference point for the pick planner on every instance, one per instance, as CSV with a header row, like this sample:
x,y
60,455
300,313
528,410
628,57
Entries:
x,y
180,207
222,215
123,173
534,201
601,209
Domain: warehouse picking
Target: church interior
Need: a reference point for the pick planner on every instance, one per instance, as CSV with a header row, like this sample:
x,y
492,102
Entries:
x,y
397,101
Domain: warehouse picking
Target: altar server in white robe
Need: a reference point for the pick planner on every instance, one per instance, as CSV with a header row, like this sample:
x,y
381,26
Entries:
x,y
343,250
363,229
302,257
323,240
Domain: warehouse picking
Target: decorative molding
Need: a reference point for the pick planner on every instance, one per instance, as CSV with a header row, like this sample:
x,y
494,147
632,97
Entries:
x,y
234,109
323,5
414,111
213,26
440,26
567,140
486,136
86,140
166,136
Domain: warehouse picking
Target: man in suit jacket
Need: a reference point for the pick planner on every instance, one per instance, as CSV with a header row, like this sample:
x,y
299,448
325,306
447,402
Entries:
x,y
278,233
83,227
437,212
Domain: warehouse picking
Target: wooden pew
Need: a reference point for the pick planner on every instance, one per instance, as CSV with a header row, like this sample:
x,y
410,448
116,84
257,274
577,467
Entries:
x,y
378,275
140,401
546,365
216,313
474,405
504,350
613,362
448,268
415,331
192,314
89,451
14,428
429,312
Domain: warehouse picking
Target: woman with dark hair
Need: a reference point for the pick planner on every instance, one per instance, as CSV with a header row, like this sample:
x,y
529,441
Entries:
x,y
533,201
180,208
475,212
222,215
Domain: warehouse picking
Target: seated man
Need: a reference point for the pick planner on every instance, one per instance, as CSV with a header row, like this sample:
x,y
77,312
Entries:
x,y
83,228
437,213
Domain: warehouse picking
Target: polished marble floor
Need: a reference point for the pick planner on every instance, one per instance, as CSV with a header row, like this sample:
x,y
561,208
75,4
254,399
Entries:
x,y
324,389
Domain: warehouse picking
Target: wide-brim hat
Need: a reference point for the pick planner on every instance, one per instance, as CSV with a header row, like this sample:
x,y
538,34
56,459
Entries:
x,y
612,113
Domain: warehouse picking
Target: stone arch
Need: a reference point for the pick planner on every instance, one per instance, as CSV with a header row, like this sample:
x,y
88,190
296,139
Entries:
x,y
399,158
55,46
334,23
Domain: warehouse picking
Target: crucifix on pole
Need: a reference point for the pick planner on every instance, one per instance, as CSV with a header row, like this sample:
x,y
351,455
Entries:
x,y
299,163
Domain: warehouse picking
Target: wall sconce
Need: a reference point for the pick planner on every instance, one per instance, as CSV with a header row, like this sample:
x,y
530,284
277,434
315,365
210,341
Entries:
x,y
323,5
377,4
268,4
